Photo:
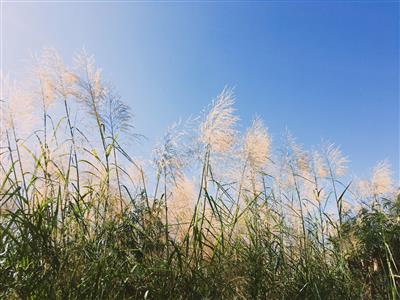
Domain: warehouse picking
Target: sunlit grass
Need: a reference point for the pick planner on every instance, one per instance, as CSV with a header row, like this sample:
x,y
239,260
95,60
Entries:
x,y
216,214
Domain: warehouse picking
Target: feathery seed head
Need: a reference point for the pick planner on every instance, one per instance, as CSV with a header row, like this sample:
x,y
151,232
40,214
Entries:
x,y
257,144
92,90
115,114
297,157
52,68
381,180
46,86
69,77
183,195
319,168
335,160
168,158
217,129
19,110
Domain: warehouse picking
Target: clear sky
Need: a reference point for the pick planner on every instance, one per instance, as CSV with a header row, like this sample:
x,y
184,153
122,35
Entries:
x,y
324,70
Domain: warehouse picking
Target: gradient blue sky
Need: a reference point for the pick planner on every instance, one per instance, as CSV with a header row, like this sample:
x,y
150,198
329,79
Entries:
x,y
324,70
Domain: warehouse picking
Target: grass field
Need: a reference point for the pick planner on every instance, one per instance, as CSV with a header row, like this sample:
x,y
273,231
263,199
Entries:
x,y
217,214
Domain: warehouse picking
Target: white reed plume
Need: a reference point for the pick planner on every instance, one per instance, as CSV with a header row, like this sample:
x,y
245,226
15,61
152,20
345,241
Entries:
x,y
381,180
363,188
336,162
311,192
257,145
254,156
115,115
61,78
314,185
168,156
46,86
217,129
283,173
297,158
18,109
91,89
319,168
6,94
181,206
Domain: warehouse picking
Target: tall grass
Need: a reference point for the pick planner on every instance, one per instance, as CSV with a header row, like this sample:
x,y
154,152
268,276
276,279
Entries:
x,y
225,215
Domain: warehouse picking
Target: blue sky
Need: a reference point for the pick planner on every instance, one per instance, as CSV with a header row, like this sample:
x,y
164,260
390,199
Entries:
x,y
324,70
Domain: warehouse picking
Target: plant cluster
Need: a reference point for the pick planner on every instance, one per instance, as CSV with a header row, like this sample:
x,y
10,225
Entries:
x,y
216,214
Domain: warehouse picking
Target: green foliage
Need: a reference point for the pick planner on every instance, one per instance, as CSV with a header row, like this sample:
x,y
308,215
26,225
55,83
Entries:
x,y
126,258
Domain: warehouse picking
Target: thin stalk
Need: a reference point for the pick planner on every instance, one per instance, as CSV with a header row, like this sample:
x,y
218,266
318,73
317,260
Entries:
x,y
118,180
20,165
13,167
166,214
301,210
71,131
